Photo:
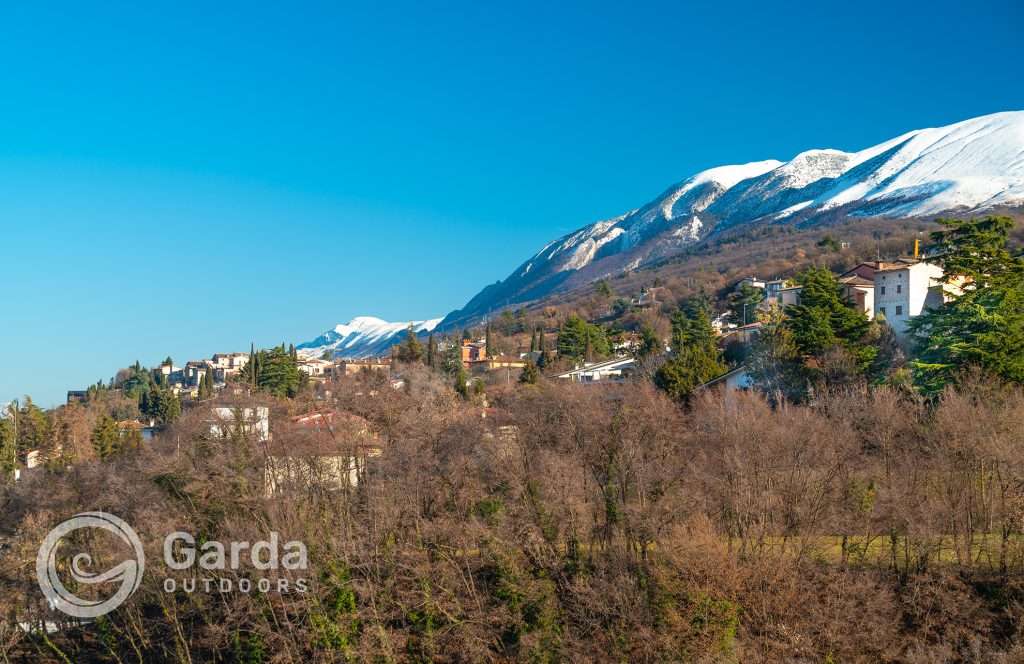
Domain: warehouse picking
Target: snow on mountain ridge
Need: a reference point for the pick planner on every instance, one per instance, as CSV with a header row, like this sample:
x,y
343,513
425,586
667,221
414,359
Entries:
x,y
363,336
966,167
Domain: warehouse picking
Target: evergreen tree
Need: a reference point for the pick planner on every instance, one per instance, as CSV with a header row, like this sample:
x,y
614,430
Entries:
x,y
431,358
489,349
542,345
695,356
533,340
983,325
452,358
823,321
206,384
461,381
251,366
33,427
8,450
277,371
161,405
743,303
170,407
580,339
411,350
530,375
106,437
650,344
774,360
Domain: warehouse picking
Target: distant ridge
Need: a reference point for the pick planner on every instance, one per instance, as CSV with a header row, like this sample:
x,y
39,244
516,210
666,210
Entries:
x,y
965,167
364,336
962,168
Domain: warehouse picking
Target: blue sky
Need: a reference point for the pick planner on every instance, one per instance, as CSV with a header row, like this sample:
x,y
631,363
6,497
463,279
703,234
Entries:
x,y
180,179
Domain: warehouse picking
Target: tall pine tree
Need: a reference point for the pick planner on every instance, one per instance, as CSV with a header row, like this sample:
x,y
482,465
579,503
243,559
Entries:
x,y
983,324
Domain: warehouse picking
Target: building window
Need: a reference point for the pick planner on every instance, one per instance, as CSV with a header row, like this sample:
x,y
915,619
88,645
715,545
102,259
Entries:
x,y
881,310
883,290
899,288
899,310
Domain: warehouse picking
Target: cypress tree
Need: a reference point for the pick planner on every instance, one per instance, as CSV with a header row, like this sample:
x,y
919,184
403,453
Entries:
x,y
431,358
252,364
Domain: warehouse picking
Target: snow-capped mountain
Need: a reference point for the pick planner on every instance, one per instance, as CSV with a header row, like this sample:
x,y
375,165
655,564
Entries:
x,y
964,167
364,336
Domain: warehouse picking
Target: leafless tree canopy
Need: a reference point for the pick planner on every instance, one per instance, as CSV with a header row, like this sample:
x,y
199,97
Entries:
x,y
566,523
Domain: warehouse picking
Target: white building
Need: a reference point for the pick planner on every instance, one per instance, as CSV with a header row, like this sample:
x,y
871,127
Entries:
x,y
230,363
904,289
753,282
731,381
609,371
316,368
226,422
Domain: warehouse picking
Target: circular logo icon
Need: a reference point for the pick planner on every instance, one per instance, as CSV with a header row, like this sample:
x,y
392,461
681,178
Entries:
x,y
128,573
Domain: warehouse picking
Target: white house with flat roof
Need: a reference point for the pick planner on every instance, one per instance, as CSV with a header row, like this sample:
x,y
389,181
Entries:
x,y
608,371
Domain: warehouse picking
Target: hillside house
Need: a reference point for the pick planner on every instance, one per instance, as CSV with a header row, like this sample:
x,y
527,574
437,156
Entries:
x,y
904,289
616,370
730,381
772,289
332,453
316,369
473,352
859,293
648,297
790,296
744,333
356,367
195,371
229,363
225,422
172,374
504,362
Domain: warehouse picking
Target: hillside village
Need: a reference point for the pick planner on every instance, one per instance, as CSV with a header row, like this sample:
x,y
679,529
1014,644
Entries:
x,y
512,333
893,291
785,427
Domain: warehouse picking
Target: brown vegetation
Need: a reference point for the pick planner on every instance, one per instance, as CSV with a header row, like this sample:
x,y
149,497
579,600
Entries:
x,y
569,523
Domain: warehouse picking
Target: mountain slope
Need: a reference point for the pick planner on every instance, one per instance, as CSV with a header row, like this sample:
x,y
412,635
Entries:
x,y
364,336
965,167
